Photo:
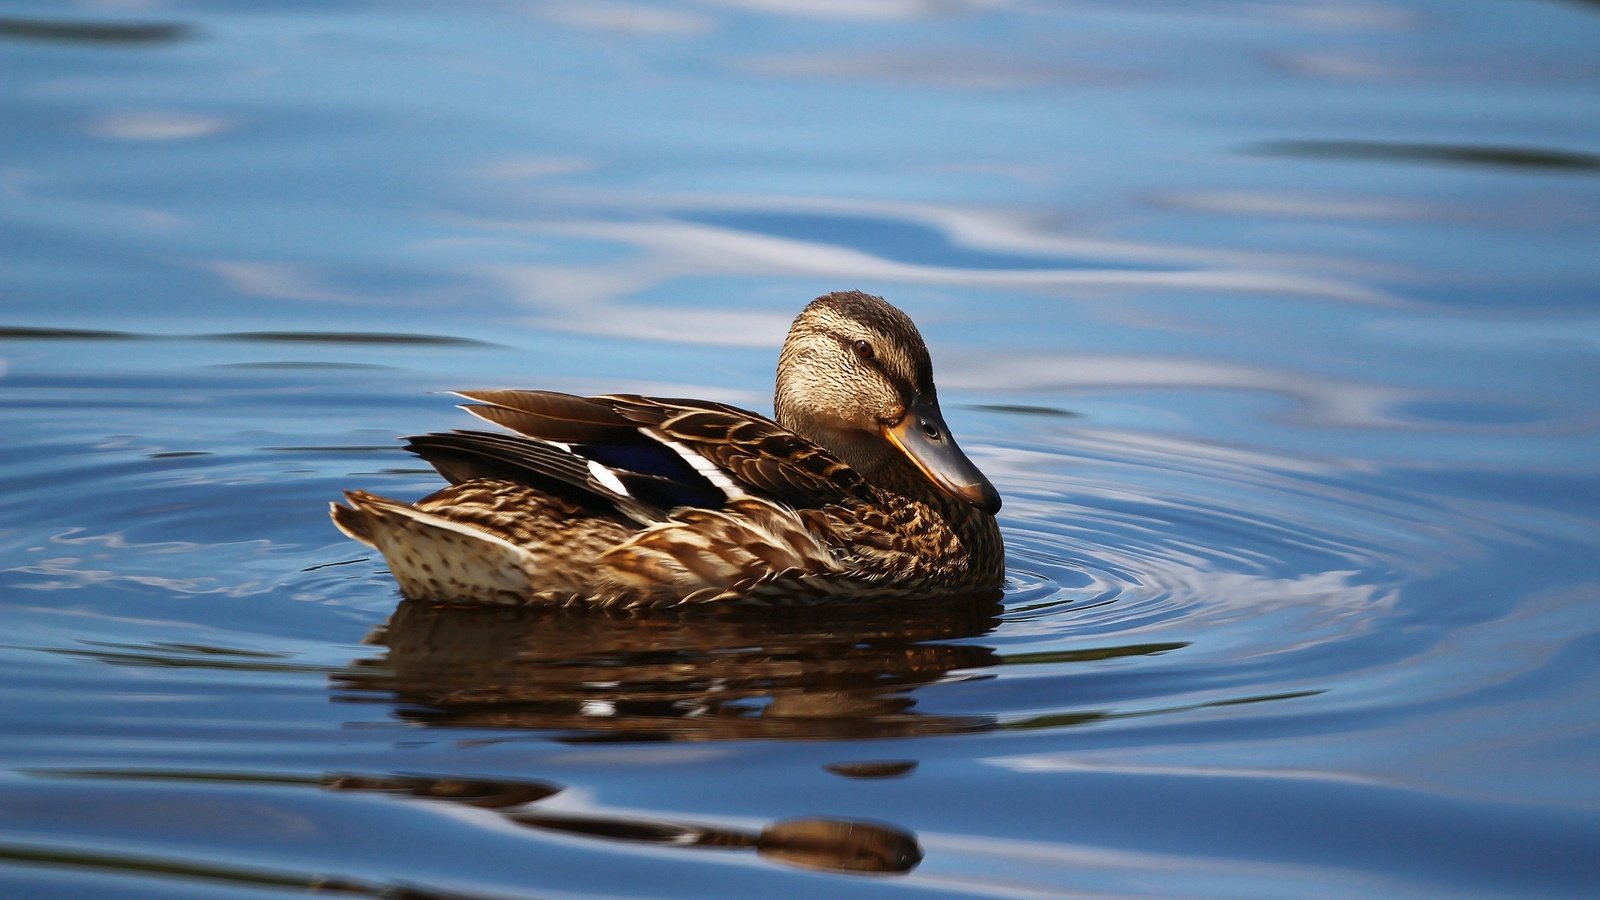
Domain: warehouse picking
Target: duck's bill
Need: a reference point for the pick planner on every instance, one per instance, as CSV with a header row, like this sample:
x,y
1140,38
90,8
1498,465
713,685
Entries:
x,y
923,437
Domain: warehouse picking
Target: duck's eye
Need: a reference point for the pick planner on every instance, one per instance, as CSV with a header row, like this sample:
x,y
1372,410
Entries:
x,y
863,349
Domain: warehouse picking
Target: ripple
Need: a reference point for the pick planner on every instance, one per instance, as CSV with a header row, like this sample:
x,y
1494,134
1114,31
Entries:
x,y
1159,576
1149,576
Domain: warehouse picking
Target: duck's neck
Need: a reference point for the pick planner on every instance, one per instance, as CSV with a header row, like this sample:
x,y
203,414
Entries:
x,y
886,468
873,458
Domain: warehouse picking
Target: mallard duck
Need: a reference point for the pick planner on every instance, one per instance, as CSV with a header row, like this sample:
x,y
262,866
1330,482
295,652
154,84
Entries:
x,y
856,491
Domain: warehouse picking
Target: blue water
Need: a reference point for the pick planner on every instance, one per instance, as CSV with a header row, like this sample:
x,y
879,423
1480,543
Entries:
x,y
1275,324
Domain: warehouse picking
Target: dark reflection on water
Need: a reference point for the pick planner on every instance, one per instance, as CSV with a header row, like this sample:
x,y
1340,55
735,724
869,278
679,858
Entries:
x,y
827,844
26,333
897,768
848,673
1499,157
682,675
170,655
308,365
349,337
833,845
21,333
1023,409
143,865
74,31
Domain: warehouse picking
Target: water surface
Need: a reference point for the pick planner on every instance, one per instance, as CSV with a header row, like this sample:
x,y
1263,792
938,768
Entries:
x,y
1275,324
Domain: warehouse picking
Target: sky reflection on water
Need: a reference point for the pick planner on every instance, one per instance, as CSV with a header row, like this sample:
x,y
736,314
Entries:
x,y
1274,323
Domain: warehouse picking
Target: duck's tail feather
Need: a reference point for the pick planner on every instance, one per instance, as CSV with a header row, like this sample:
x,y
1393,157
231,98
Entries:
x,y
435,558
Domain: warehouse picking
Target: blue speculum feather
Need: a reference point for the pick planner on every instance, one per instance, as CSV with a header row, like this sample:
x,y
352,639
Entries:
x,y
654,473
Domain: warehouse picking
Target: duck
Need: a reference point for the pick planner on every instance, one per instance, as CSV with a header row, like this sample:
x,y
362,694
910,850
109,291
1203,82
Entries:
x,y
855,490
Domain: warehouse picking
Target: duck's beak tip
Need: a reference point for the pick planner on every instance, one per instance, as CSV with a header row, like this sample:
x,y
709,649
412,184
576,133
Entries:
x,y
982,495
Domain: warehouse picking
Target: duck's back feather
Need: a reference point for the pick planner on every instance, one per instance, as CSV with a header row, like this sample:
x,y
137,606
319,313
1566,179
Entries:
x,y
694,445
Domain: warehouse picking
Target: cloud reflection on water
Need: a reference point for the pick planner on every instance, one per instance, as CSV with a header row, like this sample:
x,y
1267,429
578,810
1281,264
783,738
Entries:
x,y
157,125
662,231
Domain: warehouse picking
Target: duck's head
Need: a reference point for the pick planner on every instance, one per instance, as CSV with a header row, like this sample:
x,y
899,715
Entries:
x,y
855,377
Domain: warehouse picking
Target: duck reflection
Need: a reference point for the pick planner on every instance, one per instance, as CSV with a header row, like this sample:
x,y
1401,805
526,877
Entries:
x,y
832,844
836,845
678,674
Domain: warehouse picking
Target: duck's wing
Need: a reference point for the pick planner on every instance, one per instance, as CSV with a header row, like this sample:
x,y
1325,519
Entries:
x,y
750,448
462,456
670,453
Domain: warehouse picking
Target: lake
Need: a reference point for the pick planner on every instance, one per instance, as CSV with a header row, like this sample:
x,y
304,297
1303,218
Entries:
x,y
1276,324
